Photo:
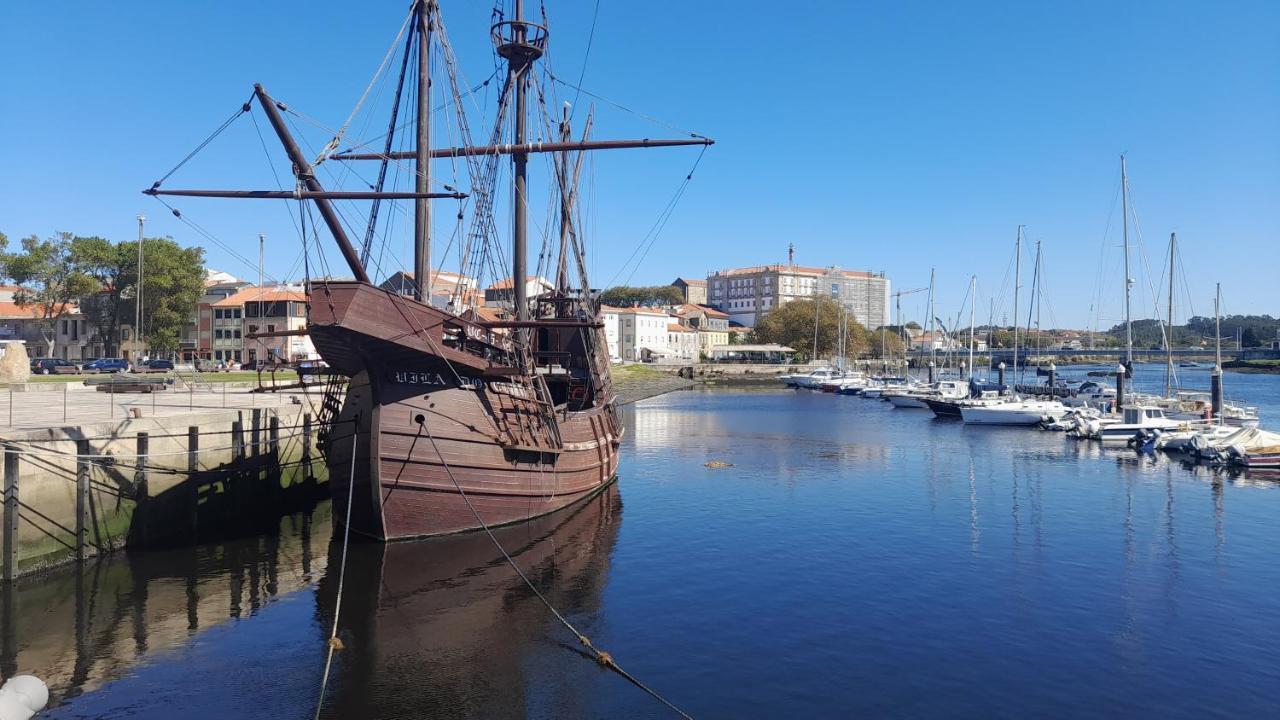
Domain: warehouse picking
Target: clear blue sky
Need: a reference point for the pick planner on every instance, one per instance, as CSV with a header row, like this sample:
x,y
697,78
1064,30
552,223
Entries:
x,y
881,135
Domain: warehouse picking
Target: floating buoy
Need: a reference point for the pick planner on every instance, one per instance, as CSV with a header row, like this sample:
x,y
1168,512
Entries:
x,y
718,464
22,696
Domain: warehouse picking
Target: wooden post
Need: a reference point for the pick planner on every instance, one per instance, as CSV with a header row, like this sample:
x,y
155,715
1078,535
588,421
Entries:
x,y
255,434
306,449
237,440
141,484
274,472
193,479
10,529
83,467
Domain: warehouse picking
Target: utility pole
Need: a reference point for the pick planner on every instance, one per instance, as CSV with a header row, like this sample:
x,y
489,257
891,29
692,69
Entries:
x,y
137,305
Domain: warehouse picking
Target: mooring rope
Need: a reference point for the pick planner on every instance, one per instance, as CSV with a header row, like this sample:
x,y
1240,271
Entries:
x,y
601,657
334,642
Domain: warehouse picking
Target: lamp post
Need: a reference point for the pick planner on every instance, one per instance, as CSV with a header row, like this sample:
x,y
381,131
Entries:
x,y
137,309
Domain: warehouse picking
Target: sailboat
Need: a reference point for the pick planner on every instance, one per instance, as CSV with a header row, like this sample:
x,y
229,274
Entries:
x,y
1014,410
459,420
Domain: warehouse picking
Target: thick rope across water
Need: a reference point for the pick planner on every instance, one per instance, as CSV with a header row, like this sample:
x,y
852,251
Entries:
x,y
601,657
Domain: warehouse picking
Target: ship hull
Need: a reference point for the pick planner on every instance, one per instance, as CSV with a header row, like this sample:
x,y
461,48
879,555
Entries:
x,y
445,447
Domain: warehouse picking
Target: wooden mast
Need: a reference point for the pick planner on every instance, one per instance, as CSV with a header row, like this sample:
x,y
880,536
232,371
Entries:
x,y
303,170
424,23
521,50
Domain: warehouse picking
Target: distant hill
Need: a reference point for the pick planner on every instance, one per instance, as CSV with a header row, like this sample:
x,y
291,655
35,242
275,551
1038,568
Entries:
x,y
1255,331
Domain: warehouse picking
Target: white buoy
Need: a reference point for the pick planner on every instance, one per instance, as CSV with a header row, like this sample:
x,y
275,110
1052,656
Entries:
x,y
22,696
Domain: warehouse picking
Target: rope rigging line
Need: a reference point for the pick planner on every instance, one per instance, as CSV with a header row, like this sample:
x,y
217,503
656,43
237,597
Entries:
x,y
600,656
244,108
334,643
382,66
620,106
651,237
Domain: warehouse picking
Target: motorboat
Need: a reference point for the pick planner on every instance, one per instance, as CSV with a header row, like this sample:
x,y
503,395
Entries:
x,y
1092,395
940,390
811,380
848,379
1014,411
1136,421
1185,440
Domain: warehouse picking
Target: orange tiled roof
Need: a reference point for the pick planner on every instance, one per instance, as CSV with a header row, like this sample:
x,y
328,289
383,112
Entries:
x,y
256,294
677,327
12,311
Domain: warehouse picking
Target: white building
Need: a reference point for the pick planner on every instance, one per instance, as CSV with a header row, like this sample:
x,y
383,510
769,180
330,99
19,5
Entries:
x,y
682,342
749,293
642,333
609,316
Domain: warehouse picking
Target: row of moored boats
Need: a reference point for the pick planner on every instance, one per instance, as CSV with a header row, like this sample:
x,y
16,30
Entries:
x,y
1183,423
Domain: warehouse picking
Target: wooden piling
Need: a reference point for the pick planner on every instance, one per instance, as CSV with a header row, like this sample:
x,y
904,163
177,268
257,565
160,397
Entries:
x,y
142,485
255,433
83,520
193,480
237,440
10,529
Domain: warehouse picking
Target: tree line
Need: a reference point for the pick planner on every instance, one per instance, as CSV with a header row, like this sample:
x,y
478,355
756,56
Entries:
x,y
63,271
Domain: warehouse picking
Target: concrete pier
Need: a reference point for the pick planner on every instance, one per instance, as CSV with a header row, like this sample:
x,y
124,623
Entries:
x,y
149,470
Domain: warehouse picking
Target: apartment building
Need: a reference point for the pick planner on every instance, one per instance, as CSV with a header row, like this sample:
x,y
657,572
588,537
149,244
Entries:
x,y
642,333
748,293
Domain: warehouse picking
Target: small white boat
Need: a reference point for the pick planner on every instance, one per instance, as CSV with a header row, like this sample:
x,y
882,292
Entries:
x,y
1186,440
846,380
1013,412
811,380
941,390
1138,420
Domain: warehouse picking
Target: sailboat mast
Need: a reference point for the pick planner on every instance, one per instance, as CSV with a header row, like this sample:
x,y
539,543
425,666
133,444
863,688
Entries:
x,y
973,306
1217,327
1128,281
423,25
1168,326
1017,290
932,326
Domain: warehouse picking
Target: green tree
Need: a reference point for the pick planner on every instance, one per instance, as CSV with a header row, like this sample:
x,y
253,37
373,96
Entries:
x,y
793,325
173,281
115,267
50,280
654,296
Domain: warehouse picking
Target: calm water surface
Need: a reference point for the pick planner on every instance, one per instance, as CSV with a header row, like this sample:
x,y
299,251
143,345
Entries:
x,y
856,561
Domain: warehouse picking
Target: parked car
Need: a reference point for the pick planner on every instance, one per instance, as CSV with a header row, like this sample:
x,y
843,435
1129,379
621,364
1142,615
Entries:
x,y
107,365
53,366
155,365
212,366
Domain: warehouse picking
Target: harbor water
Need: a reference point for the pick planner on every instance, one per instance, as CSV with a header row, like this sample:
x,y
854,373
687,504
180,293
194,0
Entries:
x,y
852,561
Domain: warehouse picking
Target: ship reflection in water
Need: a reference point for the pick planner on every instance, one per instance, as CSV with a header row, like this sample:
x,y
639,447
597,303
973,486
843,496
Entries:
x,y
444,628
441,627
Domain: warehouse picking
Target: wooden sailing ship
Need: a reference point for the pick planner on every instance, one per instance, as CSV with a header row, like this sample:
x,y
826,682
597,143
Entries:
x,y
460,420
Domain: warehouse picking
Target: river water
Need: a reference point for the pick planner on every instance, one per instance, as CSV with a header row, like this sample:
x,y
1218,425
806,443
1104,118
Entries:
x,y
854,561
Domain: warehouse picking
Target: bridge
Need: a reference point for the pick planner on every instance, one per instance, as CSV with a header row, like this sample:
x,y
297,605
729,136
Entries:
x,y
1032,356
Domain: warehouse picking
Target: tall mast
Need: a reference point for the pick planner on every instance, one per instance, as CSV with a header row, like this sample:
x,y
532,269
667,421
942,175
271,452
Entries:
x,y
1017,290
1128,281
423,25
562,264
521,50
973,303
1168,326
932,326
1036,299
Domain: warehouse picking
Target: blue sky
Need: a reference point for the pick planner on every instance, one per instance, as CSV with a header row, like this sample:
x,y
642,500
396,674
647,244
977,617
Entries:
x,y
893,136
